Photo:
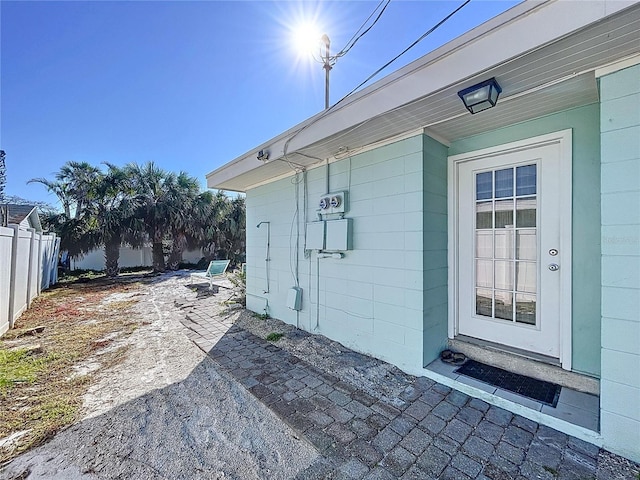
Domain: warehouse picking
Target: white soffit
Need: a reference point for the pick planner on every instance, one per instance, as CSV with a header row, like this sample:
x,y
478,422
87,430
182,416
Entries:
x,y
376,113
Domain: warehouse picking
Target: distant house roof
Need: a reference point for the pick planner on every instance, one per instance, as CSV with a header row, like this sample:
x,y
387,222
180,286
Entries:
x,y
24,215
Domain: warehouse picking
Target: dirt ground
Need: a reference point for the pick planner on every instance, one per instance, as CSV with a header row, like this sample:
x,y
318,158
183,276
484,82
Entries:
x,y
165,411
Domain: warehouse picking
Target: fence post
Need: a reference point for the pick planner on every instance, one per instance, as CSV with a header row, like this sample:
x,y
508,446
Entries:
x,y
6,249
54,255
32,242
12,275
39,270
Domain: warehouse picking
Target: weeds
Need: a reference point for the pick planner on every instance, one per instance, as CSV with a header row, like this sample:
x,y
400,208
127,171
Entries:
x,y
274,336
239,290
40,391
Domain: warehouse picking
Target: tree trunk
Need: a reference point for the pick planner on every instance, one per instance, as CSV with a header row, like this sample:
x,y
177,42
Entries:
x,y
112,255
177,247
157,256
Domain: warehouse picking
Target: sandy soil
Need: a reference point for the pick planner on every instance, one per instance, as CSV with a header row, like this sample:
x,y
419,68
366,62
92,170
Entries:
x,y
166,411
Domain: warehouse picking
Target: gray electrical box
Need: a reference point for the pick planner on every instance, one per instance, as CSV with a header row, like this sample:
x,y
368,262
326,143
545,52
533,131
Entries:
x,y
338,235
315,236
294,298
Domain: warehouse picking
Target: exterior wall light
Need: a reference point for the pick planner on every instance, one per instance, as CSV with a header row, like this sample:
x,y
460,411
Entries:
x,y
263,155
481,96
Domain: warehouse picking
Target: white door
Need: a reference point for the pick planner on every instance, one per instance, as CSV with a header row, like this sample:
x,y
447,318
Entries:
x,y
510,252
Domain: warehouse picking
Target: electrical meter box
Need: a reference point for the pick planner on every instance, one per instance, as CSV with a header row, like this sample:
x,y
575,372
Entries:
x,y
315,236
330,203
338,235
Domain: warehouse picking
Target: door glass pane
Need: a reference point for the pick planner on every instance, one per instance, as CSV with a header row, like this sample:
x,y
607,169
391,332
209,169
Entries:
x,y
484,215
504,244
484,244
483,302
504,214
484,186
526,212
484,273
504,275
526,247
526,277
526,180
504,183
526,308
504,305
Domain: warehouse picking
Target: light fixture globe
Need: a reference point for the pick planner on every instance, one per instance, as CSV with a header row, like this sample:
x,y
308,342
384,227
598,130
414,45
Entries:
x,y
481,96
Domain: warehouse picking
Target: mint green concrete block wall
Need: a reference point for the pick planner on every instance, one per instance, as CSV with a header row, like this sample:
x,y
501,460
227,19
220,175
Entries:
x,y
584,122
620,383
372,299
435,249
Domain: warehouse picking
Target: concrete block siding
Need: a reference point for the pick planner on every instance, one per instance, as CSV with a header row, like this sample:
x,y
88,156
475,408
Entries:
x,y
372,299
620,194
435,240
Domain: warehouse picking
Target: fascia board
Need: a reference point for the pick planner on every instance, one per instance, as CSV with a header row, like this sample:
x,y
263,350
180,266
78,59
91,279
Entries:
x,y
521,29
542,26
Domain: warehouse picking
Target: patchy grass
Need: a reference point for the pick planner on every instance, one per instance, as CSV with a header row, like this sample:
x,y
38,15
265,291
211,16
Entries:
x,y
20,366
74,276
274,336
40,390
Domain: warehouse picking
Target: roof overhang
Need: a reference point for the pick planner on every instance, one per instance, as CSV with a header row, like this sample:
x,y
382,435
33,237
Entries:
x,y
543,54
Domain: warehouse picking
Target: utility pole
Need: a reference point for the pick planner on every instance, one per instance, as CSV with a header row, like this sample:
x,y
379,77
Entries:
x,y
327,68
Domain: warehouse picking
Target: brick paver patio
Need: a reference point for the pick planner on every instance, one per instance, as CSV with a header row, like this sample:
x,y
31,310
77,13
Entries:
x,y
429,432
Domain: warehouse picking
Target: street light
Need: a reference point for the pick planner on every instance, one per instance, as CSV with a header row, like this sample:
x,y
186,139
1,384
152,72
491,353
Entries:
x,y
307,39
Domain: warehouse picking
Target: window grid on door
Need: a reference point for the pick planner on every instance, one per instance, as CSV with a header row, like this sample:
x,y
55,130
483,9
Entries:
x,y
505,244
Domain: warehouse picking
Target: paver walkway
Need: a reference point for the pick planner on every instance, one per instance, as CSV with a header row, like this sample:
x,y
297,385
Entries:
x,y
429,432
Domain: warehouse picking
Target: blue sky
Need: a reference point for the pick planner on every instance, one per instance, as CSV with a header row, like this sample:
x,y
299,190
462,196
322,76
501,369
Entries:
x,y
189,85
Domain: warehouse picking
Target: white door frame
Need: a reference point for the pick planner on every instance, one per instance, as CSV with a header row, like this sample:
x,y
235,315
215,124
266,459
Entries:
x,y
564,139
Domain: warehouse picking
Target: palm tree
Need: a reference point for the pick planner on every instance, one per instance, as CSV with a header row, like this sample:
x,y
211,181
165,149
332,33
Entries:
x,y
60,190
163,201
183,190
75,237
148,184
111,207
233,230
222,227
80,178
72,186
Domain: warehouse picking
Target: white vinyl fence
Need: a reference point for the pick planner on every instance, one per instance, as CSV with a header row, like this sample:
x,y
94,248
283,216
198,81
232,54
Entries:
x,y
129,257
28,265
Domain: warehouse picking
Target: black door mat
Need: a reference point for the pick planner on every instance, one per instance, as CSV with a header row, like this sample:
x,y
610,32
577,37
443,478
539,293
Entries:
x,y
538,390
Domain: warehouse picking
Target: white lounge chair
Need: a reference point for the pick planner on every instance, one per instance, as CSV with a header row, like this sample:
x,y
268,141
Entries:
x,y
216,268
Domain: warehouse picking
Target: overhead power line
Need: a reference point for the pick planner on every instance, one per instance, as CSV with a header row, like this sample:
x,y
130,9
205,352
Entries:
x,y
356,36
332,107
422,37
